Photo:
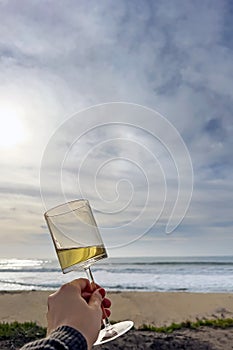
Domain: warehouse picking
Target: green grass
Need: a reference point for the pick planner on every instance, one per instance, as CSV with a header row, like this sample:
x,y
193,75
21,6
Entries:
x,y
22,332
217,323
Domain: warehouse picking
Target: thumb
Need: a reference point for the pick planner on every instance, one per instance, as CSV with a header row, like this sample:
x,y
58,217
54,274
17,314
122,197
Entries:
x,y
96,299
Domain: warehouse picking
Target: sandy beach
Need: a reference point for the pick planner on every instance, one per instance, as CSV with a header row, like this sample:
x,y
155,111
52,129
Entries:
x,y
143,308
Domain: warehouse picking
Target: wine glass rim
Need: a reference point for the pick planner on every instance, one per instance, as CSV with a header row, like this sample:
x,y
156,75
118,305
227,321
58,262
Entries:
x,y
48,213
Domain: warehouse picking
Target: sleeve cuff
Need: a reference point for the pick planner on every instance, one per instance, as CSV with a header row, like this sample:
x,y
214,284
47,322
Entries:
x,y
70,337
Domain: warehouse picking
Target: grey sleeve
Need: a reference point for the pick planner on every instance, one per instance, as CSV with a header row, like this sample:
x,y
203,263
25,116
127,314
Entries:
x,y
63,338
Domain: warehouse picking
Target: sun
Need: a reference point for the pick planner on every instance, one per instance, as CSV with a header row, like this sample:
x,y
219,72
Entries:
x,y
12,130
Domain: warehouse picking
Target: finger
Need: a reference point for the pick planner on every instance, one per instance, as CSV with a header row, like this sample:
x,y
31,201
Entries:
x,y
86,296
102,292
107,313
97,286
96,299
83,284
106,303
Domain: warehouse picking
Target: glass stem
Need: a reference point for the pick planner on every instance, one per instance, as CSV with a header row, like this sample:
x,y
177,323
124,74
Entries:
x,y
91,279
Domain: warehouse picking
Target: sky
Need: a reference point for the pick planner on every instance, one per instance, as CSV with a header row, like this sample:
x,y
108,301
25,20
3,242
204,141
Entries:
x,y
127,104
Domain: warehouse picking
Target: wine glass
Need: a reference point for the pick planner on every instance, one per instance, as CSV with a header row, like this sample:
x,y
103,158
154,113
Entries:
x,y
79,245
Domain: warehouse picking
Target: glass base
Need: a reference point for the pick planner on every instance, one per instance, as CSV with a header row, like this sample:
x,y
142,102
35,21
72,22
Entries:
x,y
113,331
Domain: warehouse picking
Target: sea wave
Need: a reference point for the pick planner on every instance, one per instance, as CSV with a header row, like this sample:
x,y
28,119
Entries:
x,y
125,274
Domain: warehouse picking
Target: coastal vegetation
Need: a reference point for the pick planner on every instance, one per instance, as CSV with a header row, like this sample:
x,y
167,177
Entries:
x,y
217,323
28,331
17,334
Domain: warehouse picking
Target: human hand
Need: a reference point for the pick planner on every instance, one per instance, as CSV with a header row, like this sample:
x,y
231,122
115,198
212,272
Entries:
x,y
76,305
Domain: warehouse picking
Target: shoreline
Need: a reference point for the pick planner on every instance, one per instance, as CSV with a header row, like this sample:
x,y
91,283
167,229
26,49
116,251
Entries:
x,y
150,308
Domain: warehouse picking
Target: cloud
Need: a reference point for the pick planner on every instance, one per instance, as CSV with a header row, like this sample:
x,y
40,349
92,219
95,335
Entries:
x,y
58,59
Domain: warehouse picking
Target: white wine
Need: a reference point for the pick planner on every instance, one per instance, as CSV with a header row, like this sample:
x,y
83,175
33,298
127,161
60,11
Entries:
x,y
79,255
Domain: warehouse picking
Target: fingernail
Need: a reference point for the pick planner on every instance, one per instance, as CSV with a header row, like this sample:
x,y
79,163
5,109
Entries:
x,y
102,292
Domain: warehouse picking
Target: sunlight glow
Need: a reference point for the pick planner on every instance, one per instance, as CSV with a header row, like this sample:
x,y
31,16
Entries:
x,y
12,131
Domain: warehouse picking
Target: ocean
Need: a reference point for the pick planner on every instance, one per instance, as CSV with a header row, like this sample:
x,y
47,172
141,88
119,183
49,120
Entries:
x,y
167,274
